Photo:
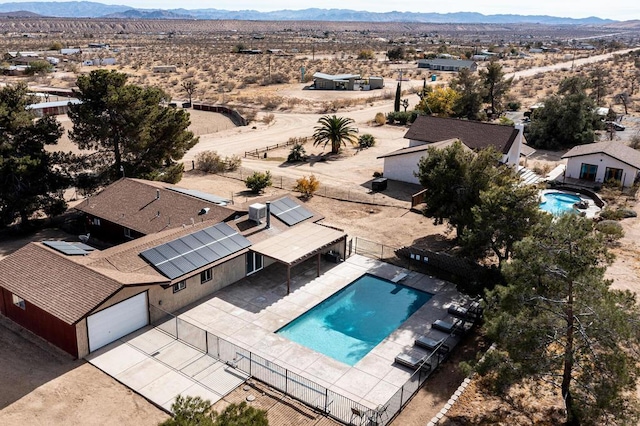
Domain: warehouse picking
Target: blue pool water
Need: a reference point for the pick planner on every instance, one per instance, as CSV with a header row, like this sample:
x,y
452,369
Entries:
x,y
558,203
347,325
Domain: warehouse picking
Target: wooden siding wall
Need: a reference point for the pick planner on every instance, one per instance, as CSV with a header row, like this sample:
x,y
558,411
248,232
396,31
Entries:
x,y
43,324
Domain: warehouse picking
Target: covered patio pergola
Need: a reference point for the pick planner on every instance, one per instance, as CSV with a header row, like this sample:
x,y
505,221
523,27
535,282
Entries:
x,y
300,243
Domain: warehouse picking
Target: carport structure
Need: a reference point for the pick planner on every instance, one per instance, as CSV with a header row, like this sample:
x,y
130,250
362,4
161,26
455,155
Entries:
x,y
300,243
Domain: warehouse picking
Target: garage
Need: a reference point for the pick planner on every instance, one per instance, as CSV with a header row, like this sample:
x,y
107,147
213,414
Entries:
x,y
118,320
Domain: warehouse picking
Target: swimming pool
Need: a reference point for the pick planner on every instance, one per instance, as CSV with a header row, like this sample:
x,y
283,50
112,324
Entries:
x,y
558,203
350,323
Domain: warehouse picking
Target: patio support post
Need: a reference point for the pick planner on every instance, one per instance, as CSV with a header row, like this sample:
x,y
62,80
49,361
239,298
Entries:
x,y
344,252
318,265
288,279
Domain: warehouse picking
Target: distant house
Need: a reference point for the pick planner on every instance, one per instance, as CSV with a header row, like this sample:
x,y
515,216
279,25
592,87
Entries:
x,y
104,61
441,132
98,46
603,161
81,299
131,208
454,65
25,60
43,109
322,81
164,68
71,51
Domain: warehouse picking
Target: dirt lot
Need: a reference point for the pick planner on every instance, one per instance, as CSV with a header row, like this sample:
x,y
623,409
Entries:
x,y
42,386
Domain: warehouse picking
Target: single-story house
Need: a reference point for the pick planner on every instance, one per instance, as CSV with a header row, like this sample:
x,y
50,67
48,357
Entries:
x,y
439,64
131,208
26,60
322,81
164,68
81,299
428,130
603,161
71,51
42,109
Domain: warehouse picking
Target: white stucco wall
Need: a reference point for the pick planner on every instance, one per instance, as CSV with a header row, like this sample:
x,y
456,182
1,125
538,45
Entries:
x,y
513,156
401,167
574,164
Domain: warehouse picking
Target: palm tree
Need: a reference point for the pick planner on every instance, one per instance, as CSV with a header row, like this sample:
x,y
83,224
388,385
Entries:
x,y
335,130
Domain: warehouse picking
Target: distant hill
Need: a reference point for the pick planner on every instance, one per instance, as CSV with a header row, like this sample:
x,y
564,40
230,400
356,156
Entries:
x,y
86,9
143,14
19,14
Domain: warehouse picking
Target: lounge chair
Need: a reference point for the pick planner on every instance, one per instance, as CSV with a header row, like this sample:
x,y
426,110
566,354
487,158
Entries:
x,y
473,311
449,327
412,361
432,344
399,277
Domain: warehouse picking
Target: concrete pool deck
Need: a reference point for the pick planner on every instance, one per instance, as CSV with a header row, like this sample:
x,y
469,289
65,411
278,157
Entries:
x,y
249,312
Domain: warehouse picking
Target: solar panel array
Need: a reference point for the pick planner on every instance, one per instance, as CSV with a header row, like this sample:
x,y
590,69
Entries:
x,y
186,254
289,211
202,195
70,248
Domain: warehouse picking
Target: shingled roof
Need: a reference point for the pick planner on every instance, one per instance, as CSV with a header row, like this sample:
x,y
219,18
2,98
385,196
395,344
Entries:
x,y
474,134
149,207
55,283
613,149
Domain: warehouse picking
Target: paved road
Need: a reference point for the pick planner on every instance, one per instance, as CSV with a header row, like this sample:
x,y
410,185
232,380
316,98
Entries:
x,y
555,67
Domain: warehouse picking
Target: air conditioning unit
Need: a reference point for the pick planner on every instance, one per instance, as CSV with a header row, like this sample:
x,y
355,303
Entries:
x,y
257,211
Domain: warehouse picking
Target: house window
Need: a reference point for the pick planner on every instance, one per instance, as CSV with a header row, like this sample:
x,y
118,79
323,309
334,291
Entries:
x,y
96,221
18,301
588,172
179,286
254,262
612,174
206,275
127,233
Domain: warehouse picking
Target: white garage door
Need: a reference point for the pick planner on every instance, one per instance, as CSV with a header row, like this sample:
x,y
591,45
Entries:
x,y
116,321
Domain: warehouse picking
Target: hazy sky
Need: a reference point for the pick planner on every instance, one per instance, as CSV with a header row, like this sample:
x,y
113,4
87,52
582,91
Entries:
x,y
620,10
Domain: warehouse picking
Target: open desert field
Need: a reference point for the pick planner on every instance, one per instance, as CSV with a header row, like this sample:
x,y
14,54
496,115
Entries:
x,y
272,91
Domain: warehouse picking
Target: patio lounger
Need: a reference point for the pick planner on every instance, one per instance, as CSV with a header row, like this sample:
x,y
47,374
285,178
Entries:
x,y
432,344
472,311
448,327
411,361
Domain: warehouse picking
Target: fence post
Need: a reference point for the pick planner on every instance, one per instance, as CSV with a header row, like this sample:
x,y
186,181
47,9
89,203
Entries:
x,y
326,400
381,251
250,361
177,326
286,381
206,341
401,395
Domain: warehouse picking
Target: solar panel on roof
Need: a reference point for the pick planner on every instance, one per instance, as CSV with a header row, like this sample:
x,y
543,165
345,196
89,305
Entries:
x,y
69,248
289,211
202,195
193,251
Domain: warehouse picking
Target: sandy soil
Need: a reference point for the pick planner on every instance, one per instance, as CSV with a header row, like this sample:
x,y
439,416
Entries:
x,y
43,386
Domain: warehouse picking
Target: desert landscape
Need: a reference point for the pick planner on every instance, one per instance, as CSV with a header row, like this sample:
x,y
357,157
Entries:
x,y
272,91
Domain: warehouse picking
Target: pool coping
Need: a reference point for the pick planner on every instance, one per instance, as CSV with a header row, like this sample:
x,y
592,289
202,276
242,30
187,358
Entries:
x,y
248,315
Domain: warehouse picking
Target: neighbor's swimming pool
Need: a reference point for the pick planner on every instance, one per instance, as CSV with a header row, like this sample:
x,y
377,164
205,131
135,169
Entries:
x,y
558,203
347,325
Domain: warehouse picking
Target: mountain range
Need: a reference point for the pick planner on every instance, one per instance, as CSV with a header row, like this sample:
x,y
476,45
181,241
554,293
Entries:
x,y
86,9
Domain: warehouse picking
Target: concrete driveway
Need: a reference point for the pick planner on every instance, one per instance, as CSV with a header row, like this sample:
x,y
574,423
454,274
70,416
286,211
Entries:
x,y
158,367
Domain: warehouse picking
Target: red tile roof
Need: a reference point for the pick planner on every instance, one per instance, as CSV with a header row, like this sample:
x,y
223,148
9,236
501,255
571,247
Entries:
x,y
474,134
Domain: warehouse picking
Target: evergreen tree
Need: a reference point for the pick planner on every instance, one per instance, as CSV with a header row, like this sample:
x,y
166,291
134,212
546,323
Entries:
x,y
469,103
127,127
31,178
495,86
567,119
557,321
396,102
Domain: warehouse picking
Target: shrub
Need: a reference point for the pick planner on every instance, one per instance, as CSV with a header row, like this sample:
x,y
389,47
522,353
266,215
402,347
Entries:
x,y
211,162
611,229
380,119
366,141
297,153
377,174
365,54
39,67
268,118
307,186
513,106
258,181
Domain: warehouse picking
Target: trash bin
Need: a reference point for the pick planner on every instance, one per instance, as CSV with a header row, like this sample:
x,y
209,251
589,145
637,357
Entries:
x,y
434,77
379,184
